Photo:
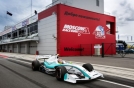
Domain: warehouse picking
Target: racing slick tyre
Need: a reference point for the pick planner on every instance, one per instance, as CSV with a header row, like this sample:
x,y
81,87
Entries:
x,y
35,65
60,72
88,67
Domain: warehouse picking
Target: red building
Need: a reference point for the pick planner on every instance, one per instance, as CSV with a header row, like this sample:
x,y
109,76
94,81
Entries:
x,y
79,30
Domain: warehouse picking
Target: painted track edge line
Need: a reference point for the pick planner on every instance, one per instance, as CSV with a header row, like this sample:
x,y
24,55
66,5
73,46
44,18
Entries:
x,y
116,83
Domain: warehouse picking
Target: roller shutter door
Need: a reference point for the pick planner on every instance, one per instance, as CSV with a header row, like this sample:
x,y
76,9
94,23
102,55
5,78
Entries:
x,y
10,47
33,47
22,48
6,48
15,48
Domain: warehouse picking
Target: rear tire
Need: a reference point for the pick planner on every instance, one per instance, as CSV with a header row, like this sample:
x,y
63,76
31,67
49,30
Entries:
x,y
88,67
60,72
35,65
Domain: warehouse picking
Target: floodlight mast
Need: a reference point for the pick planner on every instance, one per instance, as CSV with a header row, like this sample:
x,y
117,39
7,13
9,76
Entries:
x,y
31,7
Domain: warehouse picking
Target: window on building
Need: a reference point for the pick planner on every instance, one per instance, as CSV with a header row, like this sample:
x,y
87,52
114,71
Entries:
x,y
28,30
9,35
36,28
4,36
33,28
14,34
97,3
22,32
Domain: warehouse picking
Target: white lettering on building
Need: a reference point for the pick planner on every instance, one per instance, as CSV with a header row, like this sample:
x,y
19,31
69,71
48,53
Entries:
x,y
76,29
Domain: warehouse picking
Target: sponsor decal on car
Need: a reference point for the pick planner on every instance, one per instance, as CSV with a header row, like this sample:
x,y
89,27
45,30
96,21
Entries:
x,y
76,29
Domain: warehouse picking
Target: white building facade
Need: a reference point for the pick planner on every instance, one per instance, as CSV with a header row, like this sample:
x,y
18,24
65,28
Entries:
x,y
90,5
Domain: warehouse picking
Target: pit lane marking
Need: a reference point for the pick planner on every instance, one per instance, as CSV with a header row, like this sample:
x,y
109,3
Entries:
x,y
116,83
21,61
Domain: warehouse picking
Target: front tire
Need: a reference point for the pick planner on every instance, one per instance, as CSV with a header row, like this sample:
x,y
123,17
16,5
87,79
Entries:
x,y
35,65
60,72
88,67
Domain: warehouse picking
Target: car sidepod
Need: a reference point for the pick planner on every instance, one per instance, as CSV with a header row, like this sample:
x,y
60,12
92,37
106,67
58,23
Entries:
x,y
86,75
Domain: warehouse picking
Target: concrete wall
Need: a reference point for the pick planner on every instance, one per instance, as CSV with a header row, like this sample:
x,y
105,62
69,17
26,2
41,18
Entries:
x,y
85,4
47,28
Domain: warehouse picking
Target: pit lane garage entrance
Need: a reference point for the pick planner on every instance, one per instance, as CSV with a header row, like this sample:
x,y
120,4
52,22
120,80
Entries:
x,y
32,47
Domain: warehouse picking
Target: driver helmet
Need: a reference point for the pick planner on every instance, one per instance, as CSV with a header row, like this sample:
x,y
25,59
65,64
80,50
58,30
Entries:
x,y
60,61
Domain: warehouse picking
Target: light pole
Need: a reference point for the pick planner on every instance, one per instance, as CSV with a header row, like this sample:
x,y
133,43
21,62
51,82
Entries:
x,y
31,7
117,33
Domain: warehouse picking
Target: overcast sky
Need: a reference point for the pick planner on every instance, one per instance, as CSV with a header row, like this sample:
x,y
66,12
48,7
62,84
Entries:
x,y
122,9
21,9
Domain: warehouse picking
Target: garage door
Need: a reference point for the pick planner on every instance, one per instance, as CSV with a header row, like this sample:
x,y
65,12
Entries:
x,y
22,48
6,48
9,48
33,47
15,48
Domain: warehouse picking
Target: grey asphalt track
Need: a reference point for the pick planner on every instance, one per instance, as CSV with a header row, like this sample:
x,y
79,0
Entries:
x,y
109,61
17,75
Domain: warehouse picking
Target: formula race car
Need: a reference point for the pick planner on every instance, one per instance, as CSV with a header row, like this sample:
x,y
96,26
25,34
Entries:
x,y
65,71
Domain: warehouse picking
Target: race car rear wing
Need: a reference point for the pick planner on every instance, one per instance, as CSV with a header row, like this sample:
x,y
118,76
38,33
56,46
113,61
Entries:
x,y
43,56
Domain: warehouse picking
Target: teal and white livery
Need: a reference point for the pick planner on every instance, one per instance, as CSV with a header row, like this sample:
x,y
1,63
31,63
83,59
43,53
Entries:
x,y
65,71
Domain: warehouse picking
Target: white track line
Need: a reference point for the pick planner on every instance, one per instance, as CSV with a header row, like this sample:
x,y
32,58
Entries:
x,y
22,61
116,83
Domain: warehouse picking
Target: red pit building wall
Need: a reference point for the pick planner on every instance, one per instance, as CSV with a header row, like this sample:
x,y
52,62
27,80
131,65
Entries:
x,y
79,30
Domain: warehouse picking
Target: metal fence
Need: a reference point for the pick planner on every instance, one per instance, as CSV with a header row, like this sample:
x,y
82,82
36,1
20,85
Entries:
x,y
91,49
119,51
108,50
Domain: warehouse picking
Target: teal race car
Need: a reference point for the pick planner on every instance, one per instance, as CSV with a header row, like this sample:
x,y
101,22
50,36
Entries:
x,y
65,71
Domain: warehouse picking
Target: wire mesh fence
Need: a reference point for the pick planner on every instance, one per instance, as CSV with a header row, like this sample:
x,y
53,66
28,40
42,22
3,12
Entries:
x,y
110,50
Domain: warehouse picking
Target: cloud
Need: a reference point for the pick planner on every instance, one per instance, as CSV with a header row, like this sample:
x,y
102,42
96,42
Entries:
x,y
123,3
123,10
20,9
